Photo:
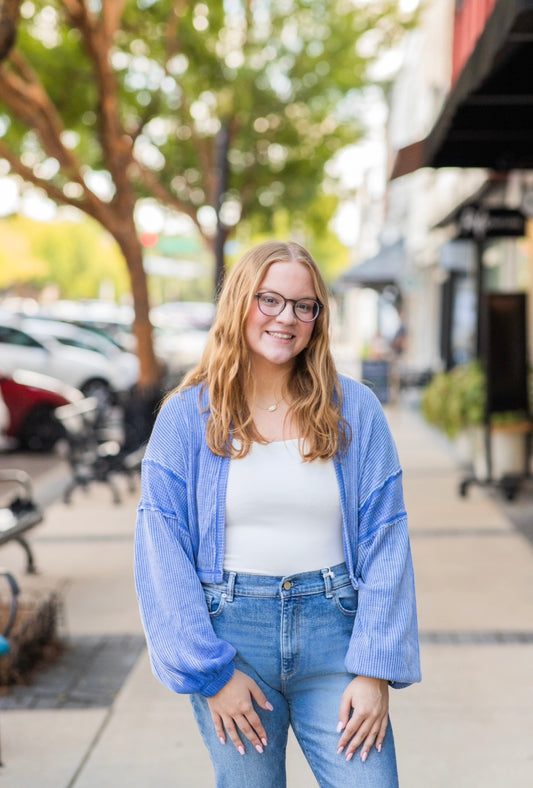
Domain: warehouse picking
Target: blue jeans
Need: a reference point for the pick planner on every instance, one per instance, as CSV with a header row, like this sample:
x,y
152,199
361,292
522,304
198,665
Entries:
x,y
291,636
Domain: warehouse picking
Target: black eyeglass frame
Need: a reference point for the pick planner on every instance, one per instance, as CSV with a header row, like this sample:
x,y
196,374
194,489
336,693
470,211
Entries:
x,y
292,301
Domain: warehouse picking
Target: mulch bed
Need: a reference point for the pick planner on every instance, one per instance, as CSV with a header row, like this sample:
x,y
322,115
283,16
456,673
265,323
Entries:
x,y
34,640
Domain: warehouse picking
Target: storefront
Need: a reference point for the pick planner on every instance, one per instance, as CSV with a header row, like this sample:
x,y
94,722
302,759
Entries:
x,y
486,122
487,118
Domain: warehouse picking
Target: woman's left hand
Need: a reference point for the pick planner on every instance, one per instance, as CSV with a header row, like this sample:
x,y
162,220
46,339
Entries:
x,y
363,716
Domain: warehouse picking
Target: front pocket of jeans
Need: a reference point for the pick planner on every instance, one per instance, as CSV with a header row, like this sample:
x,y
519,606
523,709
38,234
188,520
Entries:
x,y
216,602
346,600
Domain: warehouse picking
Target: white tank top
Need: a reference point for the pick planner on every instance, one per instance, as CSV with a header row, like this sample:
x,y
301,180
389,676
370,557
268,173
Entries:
x,y
283,515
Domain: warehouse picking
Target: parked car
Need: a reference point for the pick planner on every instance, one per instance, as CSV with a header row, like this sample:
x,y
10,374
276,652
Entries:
x,y
4,423
180,332
180,349
29,401
112,320
74,335
184,315
27,343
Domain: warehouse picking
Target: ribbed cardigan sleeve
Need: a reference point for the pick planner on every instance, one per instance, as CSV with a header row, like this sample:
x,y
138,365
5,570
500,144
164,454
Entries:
x,y
185,653
384,642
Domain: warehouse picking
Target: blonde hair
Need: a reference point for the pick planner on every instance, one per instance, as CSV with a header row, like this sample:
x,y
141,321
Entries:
x,y
225,367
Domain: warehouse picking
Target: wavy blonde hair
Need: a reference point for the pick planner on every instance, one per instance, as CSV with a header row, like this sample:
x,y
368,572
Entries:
x,y
225,367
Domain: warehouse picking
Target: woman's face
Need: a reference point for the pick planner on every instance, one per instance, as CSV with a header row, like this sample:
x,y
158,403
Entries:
x,y
279,339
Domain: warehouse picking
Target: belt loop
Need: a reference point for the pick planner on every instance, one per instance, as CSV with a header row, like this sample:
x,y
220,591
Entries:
x,y
230,587
327,575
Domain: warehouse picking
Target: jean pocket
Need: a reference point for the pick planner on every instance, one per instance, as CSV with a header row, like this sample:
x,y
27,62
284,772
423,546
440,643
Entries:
x,y
346,600
215,600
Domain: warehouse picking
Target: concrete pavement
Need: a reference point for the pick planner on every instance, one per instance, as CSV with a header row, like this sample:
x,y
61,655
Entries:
x,y
468,724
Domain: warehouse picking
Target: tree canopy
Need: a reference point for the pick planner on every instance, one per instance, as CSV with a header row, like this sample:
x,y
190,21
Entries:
x,y
225,111
77,257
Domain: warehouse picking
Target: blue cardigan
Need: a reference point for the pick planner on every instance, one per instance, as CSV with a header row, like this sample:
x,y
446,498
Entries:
x,y
179,544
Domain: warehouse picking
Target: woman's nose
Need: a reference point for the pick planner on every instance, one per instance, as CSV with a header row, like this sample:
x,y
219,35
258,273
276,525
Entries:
x,y
287,314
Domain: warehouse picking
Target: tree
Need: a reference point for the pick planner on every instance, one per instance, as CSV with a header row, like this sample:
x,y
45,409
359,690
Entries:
x,y
9,18
18,246
222,111
329,252
76,256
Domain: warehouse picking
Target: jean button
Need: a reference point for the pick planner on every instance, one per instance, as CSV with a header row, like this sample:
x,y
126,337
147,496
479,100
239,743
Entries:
x,y
287,585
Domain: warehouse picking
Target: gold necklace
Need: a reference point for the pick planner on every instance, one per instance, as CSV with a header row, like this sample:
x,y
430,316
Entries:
x,y
270,408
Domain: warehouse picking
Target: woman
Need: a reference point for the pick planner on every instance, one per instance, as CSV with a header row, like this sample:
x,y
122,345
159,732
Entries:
x,y
273,565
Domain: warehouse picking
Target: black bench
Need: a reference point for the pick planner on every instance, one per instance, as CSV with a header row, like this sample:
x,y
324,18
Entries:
x,y
96,449
17,516
21,513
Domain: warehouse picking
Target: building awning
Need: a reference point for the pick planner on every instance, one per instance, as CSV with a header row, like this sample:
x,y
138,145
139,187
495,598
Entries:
x,y
487,120
384,269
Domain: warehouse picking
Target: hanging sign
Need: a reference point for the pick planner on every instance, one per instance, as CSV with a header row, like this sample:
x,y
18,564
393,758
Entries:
x,y
476,221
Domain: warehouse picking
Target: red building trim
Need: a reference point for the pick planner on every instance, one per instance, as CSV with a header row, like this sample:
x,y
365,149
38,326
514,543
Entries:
x,y
470,19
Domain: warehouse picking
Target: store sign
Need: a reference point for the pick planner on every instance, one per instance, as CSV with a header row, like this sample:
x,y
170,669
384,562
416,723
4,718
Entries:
x,y
478,222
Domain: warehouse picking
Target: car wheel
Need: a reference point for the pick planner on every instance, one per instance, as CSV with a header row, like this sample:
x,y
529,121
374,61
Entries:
x,y
41,430
100,390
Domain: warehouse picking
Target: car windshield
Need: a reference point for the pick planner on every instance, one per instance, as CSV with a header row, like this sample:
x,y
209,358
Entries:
x,y
76,337
12,336
72,342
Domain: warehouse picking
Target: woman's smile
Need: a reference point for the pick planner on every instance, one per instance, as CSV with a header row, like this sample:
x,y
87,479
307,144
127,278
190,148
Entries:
x,y
279,335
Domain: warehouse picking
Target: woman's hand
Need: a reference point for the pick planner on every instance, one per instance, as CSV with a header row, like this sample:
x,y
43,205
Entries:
x,y
363,716
232,707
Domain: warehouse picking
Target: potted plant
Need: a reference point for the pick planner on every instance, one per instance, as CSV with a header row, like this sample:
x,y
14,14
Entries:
x,y
454,402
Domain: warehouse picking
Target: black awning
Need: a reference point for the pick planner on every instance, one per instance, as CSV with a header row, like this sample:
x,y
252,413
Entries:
x,y
487,120
384,269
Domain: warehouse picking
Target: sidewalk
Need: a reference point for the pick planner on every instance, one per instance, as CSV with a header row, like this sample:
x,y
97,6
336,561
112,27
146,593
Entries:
x,y
468,724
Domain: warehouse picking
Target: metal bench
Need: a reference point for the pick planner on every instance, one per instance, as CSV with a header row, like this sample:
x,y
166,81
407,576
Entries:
x,y
96,449
21,513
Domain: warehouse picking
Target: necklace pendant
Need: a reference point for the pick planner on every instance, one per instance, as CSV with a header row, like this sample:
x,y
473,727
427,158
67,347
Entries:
x,y
272,408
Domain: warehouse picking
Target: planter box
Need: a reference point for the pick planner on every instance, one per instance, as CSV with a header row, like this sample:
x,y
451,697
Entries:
x,y
508,450
34,639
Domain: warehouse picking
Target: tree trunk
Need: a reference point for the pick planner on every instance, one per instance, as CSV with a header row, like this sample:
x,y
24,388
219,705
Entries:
x,y
150,370
142,406
9,20
222,145
220,259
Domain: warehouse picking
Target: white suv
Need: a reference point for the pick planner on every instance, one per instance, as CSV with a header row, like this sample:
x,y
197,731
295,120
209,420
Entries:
x,y
31,344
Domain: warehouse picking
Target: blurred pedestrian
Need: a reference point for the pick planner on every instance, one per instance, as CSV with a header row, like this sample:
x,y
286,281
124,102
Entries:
x,y
272,558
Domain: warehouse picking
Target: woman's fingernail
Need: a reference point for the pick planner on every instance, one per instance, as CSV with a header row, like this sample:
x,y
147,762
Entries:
x,y
339,750
349,756
378,747
258,748
364,756
241,749
269,706
264,742
221,740
340,726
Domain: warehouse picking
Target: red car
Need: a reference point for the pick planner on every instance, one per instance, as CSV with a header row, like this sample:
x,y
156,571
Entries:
x,y
30,399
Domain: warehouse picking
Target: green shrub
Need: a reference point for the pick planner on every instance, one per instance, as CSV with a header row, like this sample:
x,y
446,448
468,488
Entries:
x,y
455,400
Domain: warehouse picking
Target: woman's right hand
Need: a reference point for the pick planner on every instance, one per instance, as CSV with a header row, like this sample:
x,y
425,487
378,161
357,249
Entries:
x,y
232,709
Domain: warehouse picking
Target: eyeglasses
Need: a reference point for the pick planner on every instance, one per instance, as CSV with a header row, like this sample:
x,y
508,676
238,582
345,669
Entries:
x,y
272,304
